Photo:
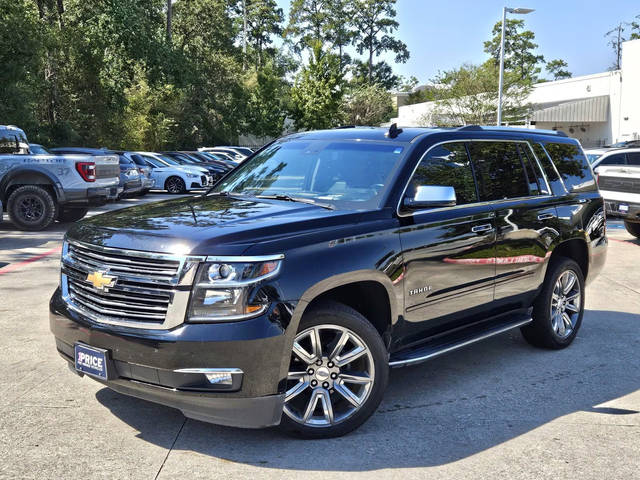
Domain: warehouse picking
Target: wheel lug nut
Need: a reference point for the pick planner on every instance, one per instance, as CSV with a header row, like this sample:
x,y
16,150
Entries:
x,y
334,375
314,383
325,385
319,362
330,365
310,371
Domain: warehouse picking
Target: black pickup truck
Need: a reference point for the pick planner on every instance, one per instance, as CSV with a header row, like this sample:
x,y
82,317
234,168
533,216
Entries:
x,y
285,293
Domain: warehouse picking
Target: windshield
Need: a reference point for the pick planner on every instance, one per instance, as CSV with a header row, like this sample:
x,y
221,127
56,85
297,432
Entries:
x,y
346,174
38,149
167,160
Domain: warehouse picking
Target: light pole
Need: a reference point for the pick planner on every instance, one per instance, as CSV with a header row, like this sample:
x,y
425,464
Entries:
x,y
505,10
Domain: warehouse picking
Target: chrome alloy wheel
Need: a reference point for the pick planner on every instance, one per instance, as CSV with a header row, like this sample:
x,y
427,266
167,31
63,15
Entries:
x,y
175,185
565,304
330,377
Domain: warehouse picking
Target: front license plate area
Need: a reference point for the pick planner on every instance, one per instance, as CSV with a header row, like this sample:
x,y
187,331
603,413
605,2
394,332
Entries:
x,y
91,360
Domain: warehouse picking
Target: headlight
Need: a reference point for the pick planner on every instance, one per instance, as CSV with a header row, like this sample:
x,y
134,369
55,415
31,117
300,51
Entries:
x,y
222,289
192,175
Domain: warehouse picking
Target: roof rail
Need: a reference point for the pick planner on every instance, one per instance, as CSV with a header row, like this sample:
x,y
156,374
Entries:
x,y
344,126
490,128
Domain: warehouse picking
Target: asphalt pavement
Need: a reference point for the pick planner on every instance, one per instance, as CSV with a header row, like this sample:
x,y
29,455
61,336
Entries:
x,y
496,409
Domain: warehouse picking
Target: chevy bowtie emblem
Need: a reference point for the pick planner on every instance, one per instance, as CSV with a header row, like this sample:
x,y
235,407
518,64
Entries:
x,y
101,281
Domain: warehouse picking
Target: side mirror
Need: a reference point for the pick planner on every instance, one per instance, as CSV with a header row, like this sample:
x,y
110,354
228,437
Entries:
x,y
431,196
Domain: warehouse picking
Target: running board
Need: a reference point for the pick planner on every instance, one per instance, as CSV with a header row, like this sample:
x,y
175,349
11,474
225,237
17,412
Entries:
x,y
453,341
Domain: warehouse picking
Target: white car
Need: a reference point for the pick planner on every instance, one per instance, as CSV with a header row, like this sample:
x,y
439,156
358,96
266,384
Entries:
x,y
237,154
173,177
613,157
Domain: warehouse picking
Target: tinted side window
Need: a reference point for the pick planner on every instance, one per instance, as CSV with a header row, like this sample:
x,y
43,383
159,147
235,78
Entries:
x,y
572,166
447,165
617,159
501,170
557,187
633,158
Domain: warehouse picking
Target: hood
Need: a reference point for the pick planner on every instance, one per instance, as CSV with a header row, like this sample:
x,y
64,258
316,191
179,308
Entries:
x,y
206,225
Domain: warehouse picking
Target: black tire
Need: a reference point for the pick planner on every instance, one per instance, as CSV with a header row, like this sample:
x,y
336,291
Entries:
x,y
339,315
68,214
542,332
31,207
175,185
632,228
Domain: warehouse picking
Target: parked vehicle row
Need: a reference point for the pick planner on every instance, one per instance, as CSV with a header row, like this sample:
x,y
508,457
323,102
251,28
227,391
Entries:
x,y
39,186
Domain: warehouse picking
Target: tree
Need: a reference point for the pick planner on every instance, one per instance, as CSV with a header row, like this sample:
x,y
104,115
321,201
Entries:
x,y
316,96
374,22
267,106
635,29
380,74
469,95
307,23
368,105
519,47
558,69
616,38
264,21
339,28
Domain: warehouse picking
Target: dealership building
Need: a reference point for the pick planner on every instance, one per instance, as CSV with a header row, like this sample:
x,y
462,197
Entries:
x,y
597,109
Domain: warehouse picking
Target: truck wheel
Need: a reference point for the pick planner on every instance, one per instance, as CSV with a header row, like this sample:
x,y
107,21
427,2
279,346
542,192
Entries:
x,y
558,310
31,207
175,185
68,214
338,373
632,228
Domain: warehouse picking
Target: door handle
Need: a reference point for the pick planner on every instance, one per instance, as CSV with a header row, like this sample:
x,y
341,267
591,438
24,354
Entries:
x,y
546,216
482,228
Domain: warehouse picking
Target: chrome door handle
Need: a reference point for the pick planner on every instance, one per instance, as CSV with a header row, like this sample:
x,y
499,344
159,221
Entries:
x,y
546,216
482,228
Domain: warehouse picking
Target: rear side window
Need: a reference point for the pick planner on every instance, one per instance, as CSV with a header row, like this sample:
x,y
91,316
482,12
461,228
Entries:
x,y
572,166
501,169
557,187
447,166
633,159
617,159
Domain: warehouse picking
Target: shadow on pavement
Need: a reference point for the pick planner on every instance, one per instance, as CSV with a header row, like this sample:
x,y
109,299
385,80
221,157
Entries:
x,y
439,412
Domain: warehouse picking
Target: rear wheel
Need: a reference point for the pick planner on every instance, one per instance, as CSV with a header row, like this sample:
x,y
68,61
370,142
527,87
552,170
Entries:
x,y
632,228
68,214
337,373
31,207
558,310
175,185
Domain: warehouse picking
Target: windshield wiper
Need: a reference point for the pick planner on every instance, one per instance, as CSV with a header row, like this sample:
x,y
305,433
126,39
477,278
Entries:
x,y
288,198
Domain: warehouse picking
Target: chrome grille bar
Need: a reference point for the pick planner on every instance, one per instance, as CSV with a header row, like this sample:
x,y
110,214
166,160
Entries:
x,y
151,290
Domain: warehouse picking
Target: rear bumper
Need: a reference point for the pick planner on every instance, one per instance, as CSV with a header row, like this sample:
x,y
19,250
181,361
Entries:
x,y
613,210
147,364
89,197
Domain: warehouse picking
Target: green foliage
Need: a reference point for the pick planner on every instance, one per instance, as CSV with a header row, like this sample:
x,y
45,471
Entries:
x,y
469,95
268,95
519,46
368,105
374,22
558,69
635,29
381,74
316,96
308,21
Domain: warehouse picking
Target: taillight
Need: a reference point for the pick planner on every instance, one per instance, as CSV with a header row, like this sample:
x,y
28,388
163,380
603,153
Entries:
x,y
87,171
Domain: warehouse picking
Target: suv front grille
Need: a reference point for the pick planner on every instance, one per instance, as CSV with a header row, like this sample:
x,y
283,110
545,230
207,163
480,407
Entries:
x,y
143,290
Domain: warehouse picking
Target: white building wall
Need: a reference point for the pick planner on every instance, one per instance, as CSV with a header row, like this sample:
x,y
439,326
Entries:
x,y
621,86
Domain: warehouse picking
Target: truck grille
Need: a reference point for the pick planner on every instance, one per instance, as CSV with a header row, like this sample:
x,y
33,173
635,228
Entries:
x,y
107,171
145,290
616,184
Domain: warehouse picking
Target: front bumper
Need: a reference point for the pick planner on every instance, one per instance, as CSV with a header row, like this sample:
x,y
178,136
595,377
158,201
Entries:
x,y
144,364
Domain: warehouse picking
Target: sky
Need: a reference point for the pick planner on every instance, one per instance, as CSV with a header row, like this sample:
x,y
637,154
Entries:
x,y
442,34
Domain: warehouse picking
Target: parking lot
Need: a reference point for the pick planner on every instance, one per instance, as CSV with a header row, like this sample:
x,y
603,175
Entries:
x,y
496,409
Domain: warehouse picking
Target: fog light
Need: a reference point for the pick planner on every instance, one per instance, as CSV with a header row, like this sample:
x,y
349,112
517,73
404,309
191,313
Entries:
x,y
219,378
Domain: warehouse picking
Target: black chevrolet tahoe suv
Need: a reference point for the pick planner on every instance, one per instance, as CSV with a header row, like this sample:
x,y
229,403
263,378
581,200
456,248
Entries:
x,y
285,293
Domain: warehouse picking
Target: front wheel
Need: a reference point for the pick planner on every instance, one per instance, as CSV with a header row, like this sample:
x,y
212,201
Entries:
x,y
632,228
175,185
558,310
338,373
